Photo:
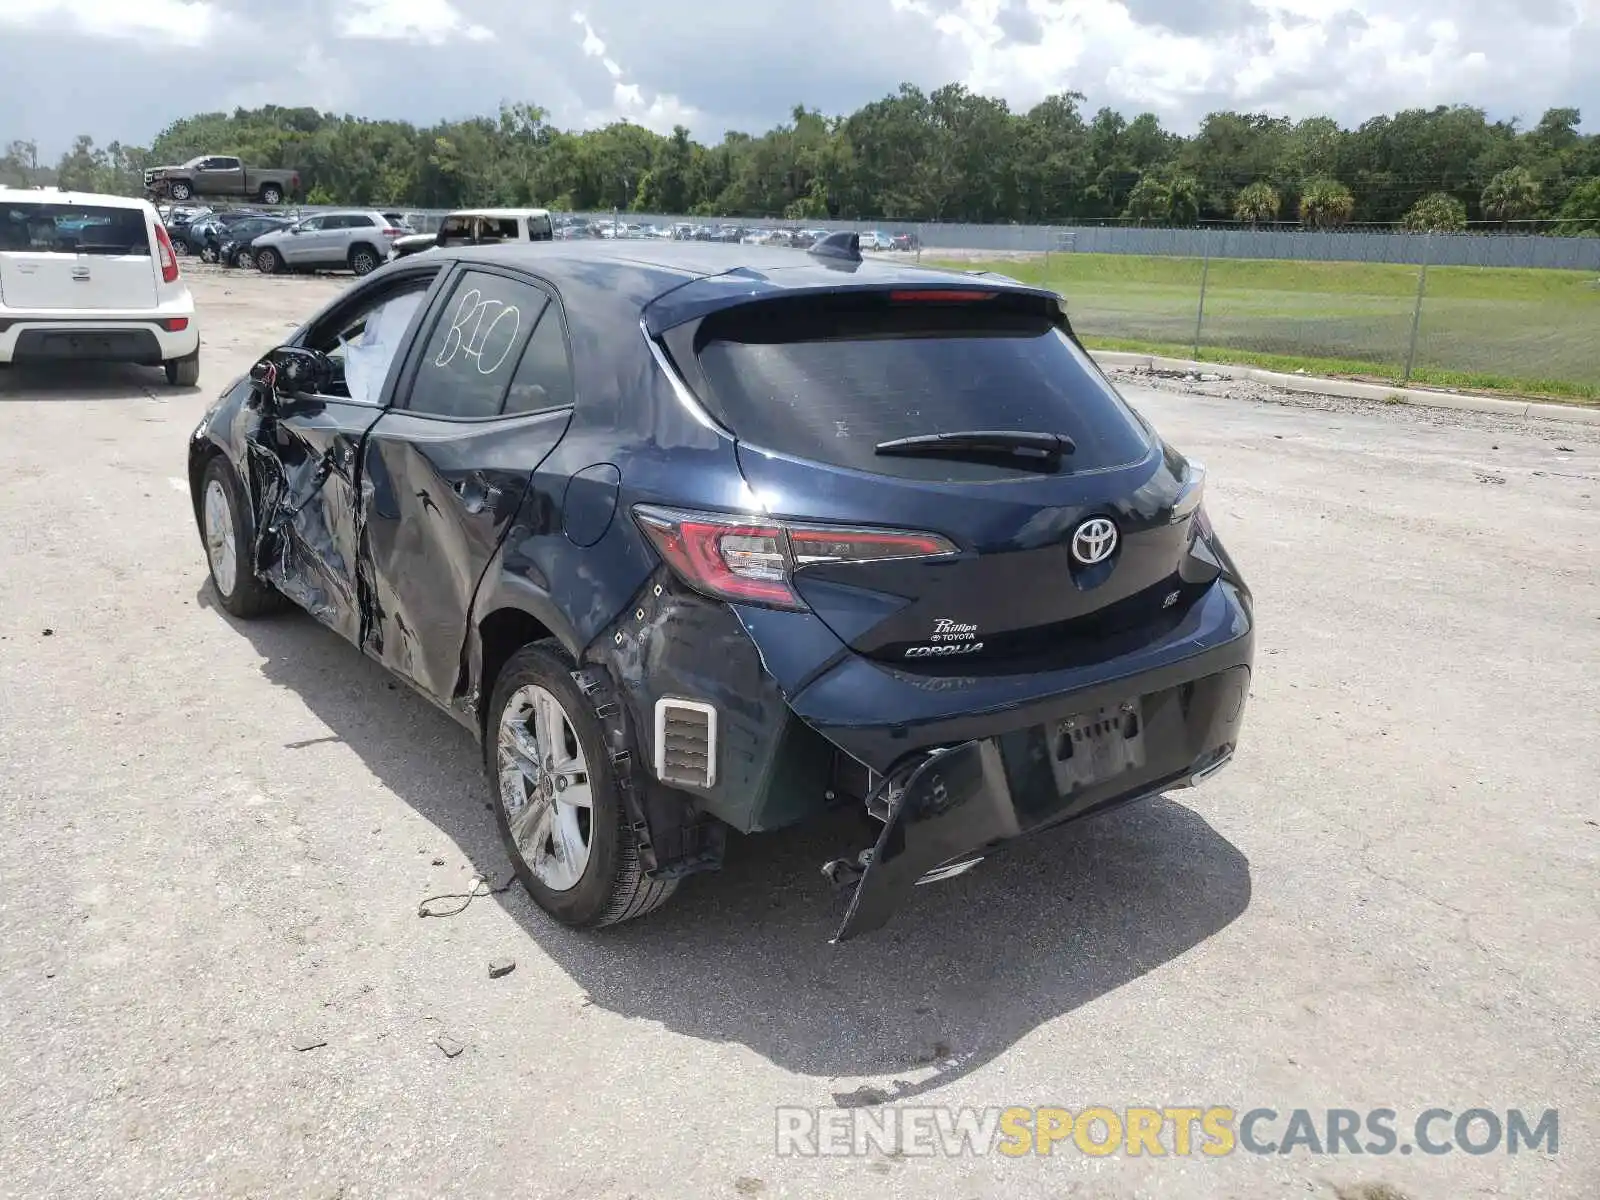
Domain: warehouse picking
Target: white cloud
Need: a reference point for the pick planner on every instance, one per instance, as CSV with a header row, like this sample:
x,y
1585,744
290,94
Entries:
x,y
1300,57
184,22
432,22
660,113
745,64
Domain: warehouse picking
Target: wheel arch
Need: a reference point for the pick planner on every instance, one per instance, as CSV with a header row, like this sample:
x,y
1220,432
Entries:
x,y
509,612
201,451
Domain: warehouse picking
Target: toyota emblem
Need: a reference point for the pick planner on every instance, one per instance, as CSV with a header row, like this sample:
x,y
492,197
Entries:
x,y
1094,541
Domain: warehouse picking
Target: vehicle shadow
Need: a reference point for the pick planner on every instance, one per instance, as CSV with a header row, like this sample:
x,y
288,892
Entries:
x,y
967,969
86,381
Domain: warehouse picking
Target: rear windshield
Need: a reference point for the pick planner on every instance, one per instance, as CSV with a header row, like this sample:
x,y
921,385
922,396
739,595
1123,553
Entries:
x,y
828,383
72,229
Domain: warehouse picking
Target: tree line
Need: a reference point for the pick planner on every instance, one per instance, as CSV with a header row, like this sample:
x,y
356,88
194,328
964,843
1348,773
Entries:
x,y
946,155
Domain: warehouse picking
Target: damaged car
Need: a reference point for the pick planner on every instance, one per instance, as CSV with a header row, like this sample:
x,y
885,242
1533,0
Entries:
x,y
695,537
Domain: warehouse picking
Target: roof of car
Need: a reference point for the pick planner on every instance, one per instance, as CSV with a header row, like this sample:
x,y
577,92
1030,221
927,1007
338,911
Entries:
x,y
57,196
773,267
500,212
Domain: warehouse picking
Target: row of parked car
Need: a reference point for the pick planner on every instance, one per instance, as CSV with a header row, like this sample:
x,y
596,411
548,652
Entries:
x,y
357,240
361,240
568,228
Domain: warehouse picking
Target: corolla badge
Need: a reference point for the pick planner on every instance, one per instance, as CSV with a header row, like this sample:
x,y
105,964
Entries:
x,y
950,637
1094,541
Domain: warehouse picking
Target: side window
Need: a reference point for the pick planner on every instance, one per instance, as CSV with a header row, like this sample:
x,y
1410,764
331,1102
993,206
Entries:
x,y
543,379
336,221
456,227
474,348
312,224
363,341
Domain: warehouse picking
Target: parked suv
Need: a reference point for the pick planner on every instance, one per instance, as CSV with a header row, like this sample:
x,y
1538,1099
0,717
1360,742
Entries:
x,y
358,241
91,277
694,536
236,248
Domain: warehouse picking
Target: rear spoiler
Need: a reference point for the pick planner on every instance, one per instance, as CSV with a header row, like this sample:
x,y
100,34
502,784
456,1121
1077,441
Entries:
x,y
710,294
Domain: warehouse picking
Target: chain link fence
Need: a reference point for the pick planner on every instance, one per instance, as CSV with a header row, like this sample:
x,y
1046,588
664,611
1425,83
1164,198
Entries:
x,y
1413,321
1513,311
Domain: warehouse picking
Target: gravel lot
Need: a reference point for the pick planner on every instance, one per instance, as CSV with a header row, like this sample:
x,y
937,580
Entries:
x,y
217,835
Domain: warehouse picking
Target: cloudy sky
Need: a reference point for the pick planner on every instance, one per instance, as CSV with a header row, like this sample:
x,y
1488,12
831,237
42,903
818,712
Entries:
x,y
124,68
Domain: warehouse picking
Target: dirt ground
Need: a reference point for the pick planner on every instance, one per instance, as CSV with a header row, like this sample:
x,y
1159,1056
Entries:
x,y
217,834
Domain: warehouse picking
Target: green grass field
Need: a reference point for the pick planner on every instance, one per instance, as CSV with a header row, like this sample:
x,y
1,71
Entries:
x,y
1483,328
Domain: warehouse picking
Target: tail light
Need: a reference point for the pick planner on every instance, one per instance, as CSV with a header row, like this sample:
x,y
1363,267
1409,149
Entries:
x,y
753,561
393,232
169,260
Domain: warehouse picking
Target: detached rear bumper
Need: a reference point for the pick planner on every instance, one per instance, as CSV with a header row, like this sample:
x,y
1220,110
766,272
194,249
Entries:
x,y
986,758
964,800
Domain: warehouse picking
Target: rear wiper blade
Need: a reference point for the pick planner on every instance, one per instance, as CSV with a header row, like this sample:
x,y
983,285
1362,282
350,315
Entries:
x,y
983,443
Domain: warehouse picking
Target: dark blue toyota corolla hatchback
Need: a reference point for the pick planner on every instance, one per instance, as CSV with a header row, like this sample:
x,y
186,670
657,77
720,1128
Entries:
x,y
697,536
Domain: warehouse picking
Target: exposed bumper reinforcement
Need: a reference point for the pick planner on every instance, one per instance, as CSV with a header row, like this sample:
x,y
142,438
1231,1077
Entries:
x,y
960,801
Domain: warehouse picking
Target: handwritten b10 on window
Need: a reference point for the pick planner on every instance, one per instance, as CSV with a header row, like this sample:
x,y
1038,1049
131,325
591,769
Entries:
x,y
483,329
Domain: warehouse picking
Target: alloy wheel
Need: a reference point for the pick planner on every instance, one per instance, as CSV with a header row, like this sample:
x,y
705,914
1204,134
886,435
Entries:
x,y
544,786
219,537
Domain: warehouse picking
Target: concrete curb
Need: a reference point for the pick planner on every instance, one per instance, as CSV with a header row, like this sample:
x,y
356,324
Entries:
x,y
1350,389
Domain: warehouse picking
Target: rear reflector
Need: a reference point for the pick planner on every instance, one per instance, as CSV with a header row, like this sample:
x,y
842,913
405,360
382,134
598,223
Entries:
x,y
175,324
753,561
686,742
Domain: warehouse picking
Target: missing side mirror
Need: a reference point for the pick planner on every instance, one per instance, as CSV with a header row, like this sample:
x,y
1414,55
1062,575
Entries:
x,y
292,371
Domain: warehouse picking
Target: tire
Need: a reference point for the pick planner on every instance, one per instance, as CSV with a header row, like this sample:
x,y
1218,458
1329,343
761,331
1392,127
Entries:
x,y
244,259
364,260
268,261
185,371
180,191
208,253
611,886
271,193
247,596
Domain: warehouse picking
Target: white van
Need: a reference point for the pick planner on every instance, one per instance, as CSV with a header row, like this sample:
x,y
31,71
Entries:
x,y
85,277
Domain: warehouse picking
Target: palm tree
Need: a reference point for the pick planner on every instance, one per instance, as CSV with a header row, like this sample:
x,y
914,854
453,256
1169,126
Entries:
x,y
1511,195
1149,201
1183,201
1257,203
1326,204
